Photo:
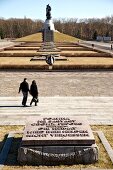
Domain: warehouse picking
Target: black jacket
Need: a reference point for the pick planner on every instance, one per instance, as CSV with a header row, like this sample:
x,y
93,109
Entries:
x,y
24,86
34,90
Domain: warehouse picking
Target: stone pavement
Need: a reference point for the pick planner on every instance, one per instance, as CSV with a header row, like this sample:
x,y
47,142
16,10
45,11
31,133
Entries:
x,y
98,110
77,83
5,43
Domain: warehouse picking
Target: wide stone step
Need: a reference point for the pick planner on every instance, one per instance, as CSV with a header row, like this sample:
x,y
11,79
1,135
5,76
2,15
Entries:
x,y
98,110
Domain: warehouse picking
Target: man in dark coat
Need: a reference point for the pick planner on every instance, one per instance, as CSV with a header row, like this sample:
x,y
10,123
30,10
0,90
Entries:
x,y
34,92
24,87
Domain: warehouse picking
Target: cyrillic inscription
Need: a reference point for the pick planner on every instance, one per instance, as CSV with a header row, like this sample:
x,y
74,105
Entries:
x,y
57,127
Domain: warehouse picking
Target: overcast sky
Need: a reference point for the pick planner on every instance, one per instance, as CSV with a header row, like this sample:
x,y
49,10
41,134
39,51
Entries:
x,y
35,9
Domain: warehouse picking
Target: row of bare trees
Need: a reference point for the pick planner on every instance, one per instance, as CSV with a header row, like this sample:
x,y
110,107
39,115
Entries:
x,y
86,28
16,28
83,28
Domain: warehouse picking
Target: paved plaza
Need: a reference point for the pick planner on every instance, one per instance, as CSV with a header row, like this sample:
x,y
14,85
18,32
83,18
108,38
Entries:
x,y
59,83
5,43
87,94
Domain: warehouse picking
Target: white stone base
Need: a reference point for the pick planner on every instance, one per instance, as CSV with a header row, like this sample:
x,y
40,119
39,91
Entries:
x,y
49,25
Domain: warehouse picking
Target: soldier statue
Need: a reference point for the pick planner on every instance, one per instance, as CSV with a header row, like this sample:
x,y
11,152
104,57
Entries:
x,y
48,12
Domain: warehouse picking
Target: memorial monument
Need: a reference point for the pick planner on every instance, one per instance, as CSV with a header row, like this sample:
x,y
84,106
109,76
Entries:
x,y
48,33
49,25
52,53
57,140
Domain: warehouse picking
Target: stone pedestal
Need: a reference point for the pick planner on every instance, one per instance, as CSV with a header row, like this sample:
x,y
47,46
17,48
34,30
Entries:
x,y
57,155
57,140
48,42
48,36
49,25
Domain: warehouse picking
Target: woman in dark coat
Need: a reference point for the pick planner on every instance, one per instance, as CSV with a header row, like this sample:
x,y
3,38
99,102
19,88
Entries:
x,y
34,92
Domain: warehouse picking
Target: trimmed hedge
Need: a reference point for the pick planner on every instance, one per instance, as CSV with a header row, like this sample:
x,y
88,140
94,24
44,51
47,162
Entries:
x,y
57,67
74,67
75,49
38,67
22,48
85,54
17,54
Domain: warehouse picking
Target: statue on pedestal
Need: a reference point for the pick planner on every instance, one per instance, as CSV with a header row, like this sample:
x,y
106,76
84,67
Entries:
x,y
48,12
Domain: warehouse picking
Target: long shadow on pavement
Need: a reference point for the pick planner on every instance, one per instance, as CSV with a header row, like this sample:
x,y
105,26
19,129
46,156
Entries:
x,y
14,106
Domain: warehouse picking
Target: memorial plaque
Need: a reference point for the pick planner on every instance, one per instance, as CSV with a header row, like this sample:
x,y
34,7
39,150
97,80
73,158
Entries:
x,y
57,131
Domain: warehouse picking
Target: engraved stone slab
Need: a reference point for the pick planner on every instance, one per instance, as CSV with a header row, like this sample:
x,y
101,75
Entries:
x,y
40,131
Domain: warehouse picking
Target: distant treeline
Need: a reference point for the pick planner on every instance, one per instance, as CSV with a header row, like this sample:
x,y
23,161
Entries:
x,y
83,28
16,28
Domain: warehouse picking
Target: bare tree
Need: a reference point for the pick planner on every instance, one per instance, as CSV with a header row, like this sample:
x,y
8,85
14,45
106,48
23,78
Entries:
x,y
87,28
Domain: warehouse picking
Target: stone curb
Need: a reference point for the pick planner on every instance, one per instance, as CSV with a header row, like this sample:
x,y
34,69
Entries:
x,y
106,145
6,148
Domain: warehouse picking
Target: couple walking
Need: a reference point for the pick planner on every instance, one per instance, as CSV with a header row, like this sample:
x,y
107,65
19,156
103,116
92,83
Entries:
x,y
24,87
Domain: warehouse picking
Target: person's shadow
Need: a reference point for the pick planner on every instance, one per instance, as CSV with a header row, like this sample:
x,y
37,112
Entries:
x,y
12,106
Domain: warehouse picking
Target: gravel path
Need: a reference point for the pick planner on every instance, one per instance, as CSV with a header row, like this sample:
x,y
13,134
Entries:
x,y
59,83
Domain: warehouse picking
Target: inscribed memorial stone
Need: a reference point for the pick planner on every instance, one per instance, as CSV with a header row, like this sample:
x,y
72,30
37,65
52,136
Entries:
x,y
57,131
57,140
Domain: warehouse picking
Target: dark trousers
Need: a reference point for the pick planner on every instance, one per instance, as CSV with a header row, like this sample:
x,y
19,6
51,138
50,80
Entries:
x,y
25,95
34,99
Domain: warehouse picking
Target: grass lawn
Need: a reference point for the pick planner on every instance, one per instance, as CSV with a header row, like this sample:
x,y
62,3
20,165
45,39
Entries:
x,y
86,61
58,37
19,61
71,61
11,163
